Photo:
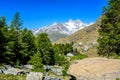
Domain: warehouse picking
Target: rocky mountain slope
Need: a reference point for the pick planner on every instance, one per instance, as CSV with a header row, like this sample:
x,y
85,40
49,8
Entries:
x,y
61,30
95,69
84,39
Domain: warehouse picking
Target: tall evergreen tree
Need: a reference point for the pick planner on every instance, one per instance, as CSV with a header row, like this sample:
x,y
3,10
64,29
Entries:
x,y
44,47
15,48
20,45
29,39
3,38
109,40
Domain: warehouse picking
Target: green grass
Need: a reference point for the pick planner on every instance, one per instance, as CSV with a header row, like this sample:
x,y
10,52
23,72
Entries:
x,y
78,57
12,77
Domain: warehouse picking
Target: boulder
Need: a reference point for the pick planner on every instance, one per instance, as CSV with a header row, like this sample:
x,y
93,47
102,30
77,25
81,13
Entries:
x,y
28,66
11,70
14,71
57,70
51,78
95,69
34,76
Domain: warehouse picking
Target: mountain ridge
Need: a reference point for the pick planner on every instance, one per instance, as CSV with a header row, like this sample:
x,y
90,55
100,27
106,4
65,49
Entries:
x,y
61,30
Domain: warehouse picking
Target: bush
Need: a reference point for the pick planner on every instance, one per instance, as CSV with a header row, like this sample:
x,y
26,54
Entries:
x,y
37,63
65,68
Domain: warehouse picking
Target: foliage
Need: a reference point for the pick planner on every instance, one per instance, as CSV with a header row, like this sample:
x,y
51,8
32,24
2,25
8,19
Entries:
x,y
65,68
3,38
109,40
12,77
60,59
60,51
28,40
44,47
17,45
16,22
63,48
36,61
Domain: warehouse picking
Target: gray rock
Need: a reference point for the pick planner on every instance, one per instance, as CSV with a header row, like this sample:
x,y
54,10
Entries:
x,y
34,76
57,71
51,78
14,71
28,66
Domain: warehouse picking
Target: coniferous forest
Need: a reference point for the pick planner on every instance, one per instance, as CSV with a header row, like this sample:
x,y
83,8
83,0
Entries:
x,y
18,45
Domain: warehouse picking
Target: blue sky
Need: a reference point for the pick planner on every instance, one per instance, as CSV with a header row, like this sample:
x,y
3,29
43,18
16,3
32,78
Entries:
x,y
36,13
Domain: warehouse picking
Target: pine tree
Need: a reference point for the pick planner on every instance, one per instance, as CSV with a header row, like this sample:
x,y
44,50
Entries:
x,y
44,46
109,40
3,38
15,49
28,39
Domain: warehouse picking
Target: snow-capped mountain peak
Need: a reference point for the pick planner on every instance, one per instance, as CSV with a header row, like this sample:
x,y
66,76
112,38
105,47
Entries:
x,y
74,25
66,28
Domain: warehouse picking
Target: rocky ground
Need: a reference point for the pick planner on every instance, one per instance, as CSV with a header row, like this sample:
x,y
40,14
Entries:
x,y
95,69
56,73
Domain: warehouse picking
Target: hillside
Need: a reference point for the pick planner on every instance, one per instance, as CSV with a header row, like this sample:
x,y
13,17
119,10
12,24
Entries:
x,y
84,39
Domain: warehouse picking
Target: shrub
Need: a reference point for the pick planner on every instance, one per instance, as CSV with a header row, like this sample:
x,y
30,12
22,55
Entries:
x,y
37,63
65,68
